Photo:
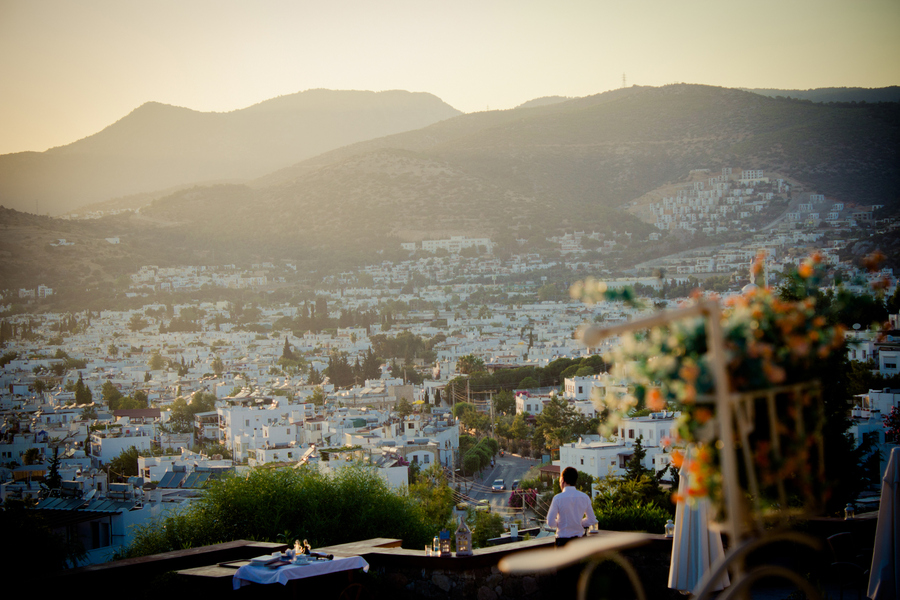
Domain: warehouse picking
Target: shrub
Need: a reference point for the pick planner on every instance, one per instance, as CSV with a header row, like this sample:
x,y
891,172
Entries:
x,y
634,517
486,526
352,505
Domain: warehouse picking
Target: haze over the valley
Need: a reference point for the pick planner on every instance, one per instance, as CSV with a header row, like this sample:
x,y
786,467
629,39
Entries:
x,y
333,133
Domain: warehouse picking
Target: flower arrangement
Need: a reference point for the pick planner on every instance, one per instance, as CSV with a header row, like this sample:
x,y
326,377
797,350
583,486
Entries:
x,y
770,345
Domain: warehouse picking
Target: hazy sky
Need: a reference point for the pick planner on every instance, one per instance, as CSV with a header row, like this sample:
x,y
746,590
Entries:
x,y
71,67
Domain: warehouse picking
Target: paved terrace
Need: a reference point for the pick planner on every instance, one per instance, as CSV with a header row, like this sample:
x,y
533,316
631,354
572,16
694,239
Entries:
x,y
397,573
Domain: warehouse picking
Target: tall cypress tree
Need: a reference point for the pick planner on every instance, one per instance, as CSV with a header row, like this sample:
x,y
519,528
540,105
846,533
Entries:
x,y
635,469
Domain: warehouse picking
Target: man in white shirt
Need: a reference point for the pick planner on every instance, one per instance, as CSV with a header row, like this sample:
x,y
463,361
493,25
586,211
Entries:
x,y
570,511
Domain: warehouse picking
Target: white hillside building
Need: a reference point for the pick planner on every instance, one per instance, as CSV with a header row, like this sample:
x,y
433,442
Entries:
x,y
601,459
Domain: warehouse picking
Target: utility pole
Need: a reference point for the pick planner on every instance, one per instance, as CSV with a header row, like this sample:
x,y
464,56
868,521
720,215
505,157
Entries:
x,y
491,400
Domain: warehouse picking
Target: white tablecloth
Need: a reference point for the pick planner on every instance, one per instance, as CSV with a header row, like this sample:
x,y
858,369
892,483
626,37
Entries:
x,y
695,547
884,576
252,574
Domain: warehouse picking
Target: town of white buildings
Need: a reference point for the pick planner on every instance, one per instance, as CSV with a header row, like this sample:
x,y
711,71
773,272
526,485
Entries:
x,y
264,414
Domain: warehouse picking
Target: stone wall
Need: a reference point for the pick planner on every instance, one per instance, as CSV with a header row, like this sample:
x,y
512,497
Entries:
x,y
406,574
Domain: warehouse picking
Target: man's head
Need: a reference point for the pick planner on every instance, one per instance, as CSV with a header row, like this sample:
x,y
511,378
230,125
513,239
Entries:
x,y
570,476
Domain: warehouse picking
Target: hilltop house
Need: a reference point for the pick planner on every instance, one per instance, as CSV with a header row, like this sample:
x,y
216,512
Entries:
x,y
603,458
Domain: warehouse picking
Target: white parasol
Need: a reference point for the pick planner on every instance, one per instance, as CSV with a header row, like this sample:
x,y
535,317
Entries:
x,y
883,581
695,547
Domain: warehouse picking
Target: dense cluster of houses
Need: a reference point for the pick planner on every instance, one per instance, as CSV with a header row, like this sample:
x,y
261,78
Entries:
x,y
718,203
268,413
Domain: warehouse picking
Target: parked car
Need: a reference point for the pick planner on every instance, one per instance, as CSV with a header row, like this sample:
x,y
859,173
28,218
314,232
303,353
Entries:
x,y
515,485
498,486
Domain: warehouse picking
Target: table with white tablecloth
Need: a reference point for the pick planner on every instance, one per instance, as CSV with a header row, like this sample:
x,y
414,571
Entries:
x,y
248,574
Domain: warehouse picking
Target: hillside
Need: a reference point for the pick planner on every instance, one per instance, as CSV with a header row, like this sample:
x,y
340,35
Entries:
x,y
533,172
611,148
841,94
526,173
159,146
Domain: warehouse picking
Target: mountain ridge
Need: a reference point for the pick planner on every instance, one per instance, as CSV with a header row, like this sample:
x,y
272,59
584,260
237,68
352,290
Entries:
x,y
519,174
835,94
157,145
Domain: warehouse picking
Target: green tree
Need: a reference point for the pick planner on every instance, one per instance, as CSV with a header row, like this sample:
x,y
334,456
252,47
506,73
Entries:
x,y
286,352
892,304
202,402
505,402
31,456
181,415
404,408
218,366
112,350
371,368
557,424
83,393
180,420
519,428
54,479
339,371
469,364
431,491
111,394
460,408
137,322
635,468
139,400
528,383
156,362
353,504
584,482
318,396
485,526
126,463
314,377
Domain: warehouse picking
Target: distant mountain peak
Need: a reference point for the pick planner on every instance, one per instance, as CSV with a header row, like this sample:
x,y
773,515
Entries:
x,y
158,146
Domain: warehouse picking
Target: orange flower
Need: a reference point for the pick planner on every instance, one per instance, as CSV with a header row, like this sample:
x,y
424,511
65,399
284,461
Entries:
x,y
805,270
882,284
872,262
696,492
689,372
757,266
799,345
773,372
655,400
677,458
703,455
702,415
